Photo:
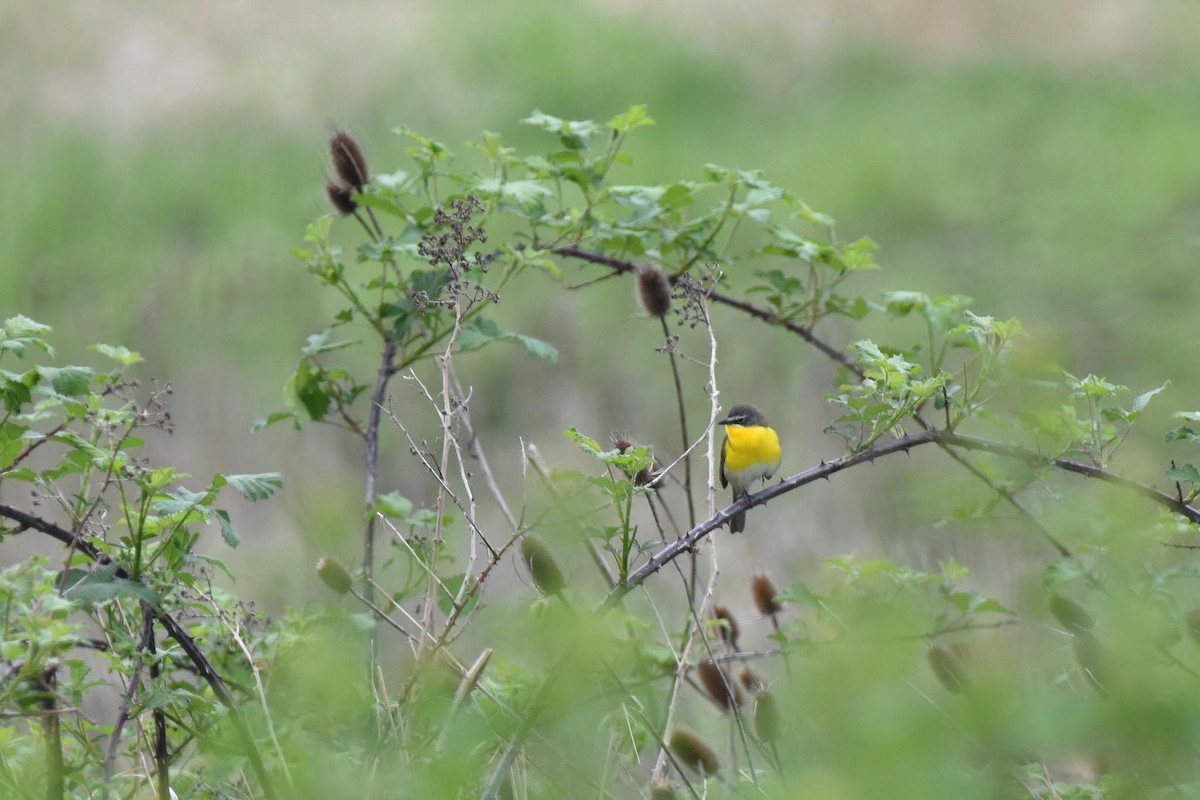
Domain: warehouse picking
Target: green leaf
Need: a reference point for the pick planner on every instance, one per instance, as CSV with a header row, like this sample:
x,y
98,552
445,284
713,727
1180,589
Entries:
x,y
20,332
859,254
526,193
270,419
227,532
102,584
974,602
481,330
393,504
16,390
252,487
633,117
68,381
12,442
454,583
586,443
320,343
1141,401
1185,474
121,355
305,391
574,133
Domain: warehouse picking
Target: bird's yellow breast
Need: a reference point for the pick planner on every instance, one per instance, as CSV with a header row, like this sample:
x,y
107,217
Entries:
x,y
753,446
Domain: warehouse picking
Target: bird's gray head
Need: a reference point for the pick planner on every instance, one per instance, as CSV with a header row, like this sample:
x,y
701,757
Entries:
x,y
744,414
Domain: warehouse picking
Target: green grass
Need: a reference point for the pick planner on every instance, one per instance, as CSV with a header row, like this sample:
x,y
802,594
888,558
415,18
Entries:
x,y
1065,196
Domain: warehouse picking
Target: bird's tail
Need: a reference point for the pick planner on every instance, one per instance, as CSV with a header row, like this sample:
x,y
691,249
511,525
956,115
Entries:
x,y
737,523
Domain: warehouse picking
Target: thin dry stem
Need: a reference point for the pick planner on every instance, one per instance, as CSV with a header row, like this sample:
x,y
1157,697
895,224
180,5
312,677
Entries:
x,y
696,629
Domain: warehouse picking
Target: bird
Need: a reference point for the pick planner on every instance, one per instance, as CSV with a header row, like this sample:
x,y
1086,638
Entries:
x,y
750,453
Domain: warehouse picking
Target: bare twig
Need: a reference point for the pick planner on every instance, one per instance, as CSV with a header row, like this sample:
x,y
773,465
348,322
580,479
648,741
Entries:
x,y
378,396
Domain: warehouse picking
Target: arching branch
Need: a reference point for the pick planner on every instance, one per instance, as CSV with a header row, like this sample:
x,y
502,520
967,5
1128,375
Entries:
x,y
936,436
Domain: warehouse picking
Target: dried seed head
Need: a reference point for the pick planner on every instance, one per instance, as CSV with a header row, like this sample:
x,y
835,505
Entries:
x,y
689,749
765,595
654,290
341,196
751,681
720,687
767,721
661,790
547,577
334,575
727,627
650,476
947,666
1071,615
348,160
620,442
1193,624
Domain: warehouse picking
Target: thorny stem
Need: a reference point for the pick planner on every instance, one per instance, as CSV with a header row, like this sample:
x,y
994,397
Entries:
x,y
682,664
826,469
114,739
162,762
378,397
683,427
446,412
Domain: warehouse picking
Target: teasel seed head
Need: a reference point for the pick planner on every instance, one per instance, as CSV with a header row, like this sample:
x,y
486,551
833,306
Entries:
x,y
654,291
661,790
547,577
693,752
721,688
348,160
1071,615
341,196
767,721
947,666
765,595
727,626
334,575
751,681
652,476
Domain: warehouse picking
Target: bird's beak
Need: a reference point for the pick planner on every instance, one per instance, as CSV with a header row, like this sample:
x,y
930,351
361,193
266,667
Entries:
x,y
723,421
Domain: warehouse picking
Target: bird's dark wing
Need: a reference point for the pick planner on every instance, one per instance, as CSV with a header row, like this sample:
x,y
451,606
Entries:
x,y
724,445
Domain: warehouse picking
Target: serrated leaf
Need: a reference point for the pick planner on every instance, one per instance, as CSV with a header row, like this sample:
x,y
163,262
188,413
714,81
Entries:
x,y
634,117
481,330
122,355
102,584
977,603
227,532
68,381
270,419
1143,399
1185,474
252,487
393,504
320,343
586,443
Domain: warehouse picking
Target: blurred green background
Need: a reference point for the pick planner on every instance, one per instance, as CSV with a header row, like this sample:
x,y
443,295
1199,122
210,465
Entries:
x,y
160,160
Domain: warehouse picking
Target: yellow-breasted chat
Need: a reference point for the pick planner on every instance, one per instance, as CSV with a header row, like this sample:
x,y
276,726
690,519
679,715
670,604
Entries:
x,y
750,453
